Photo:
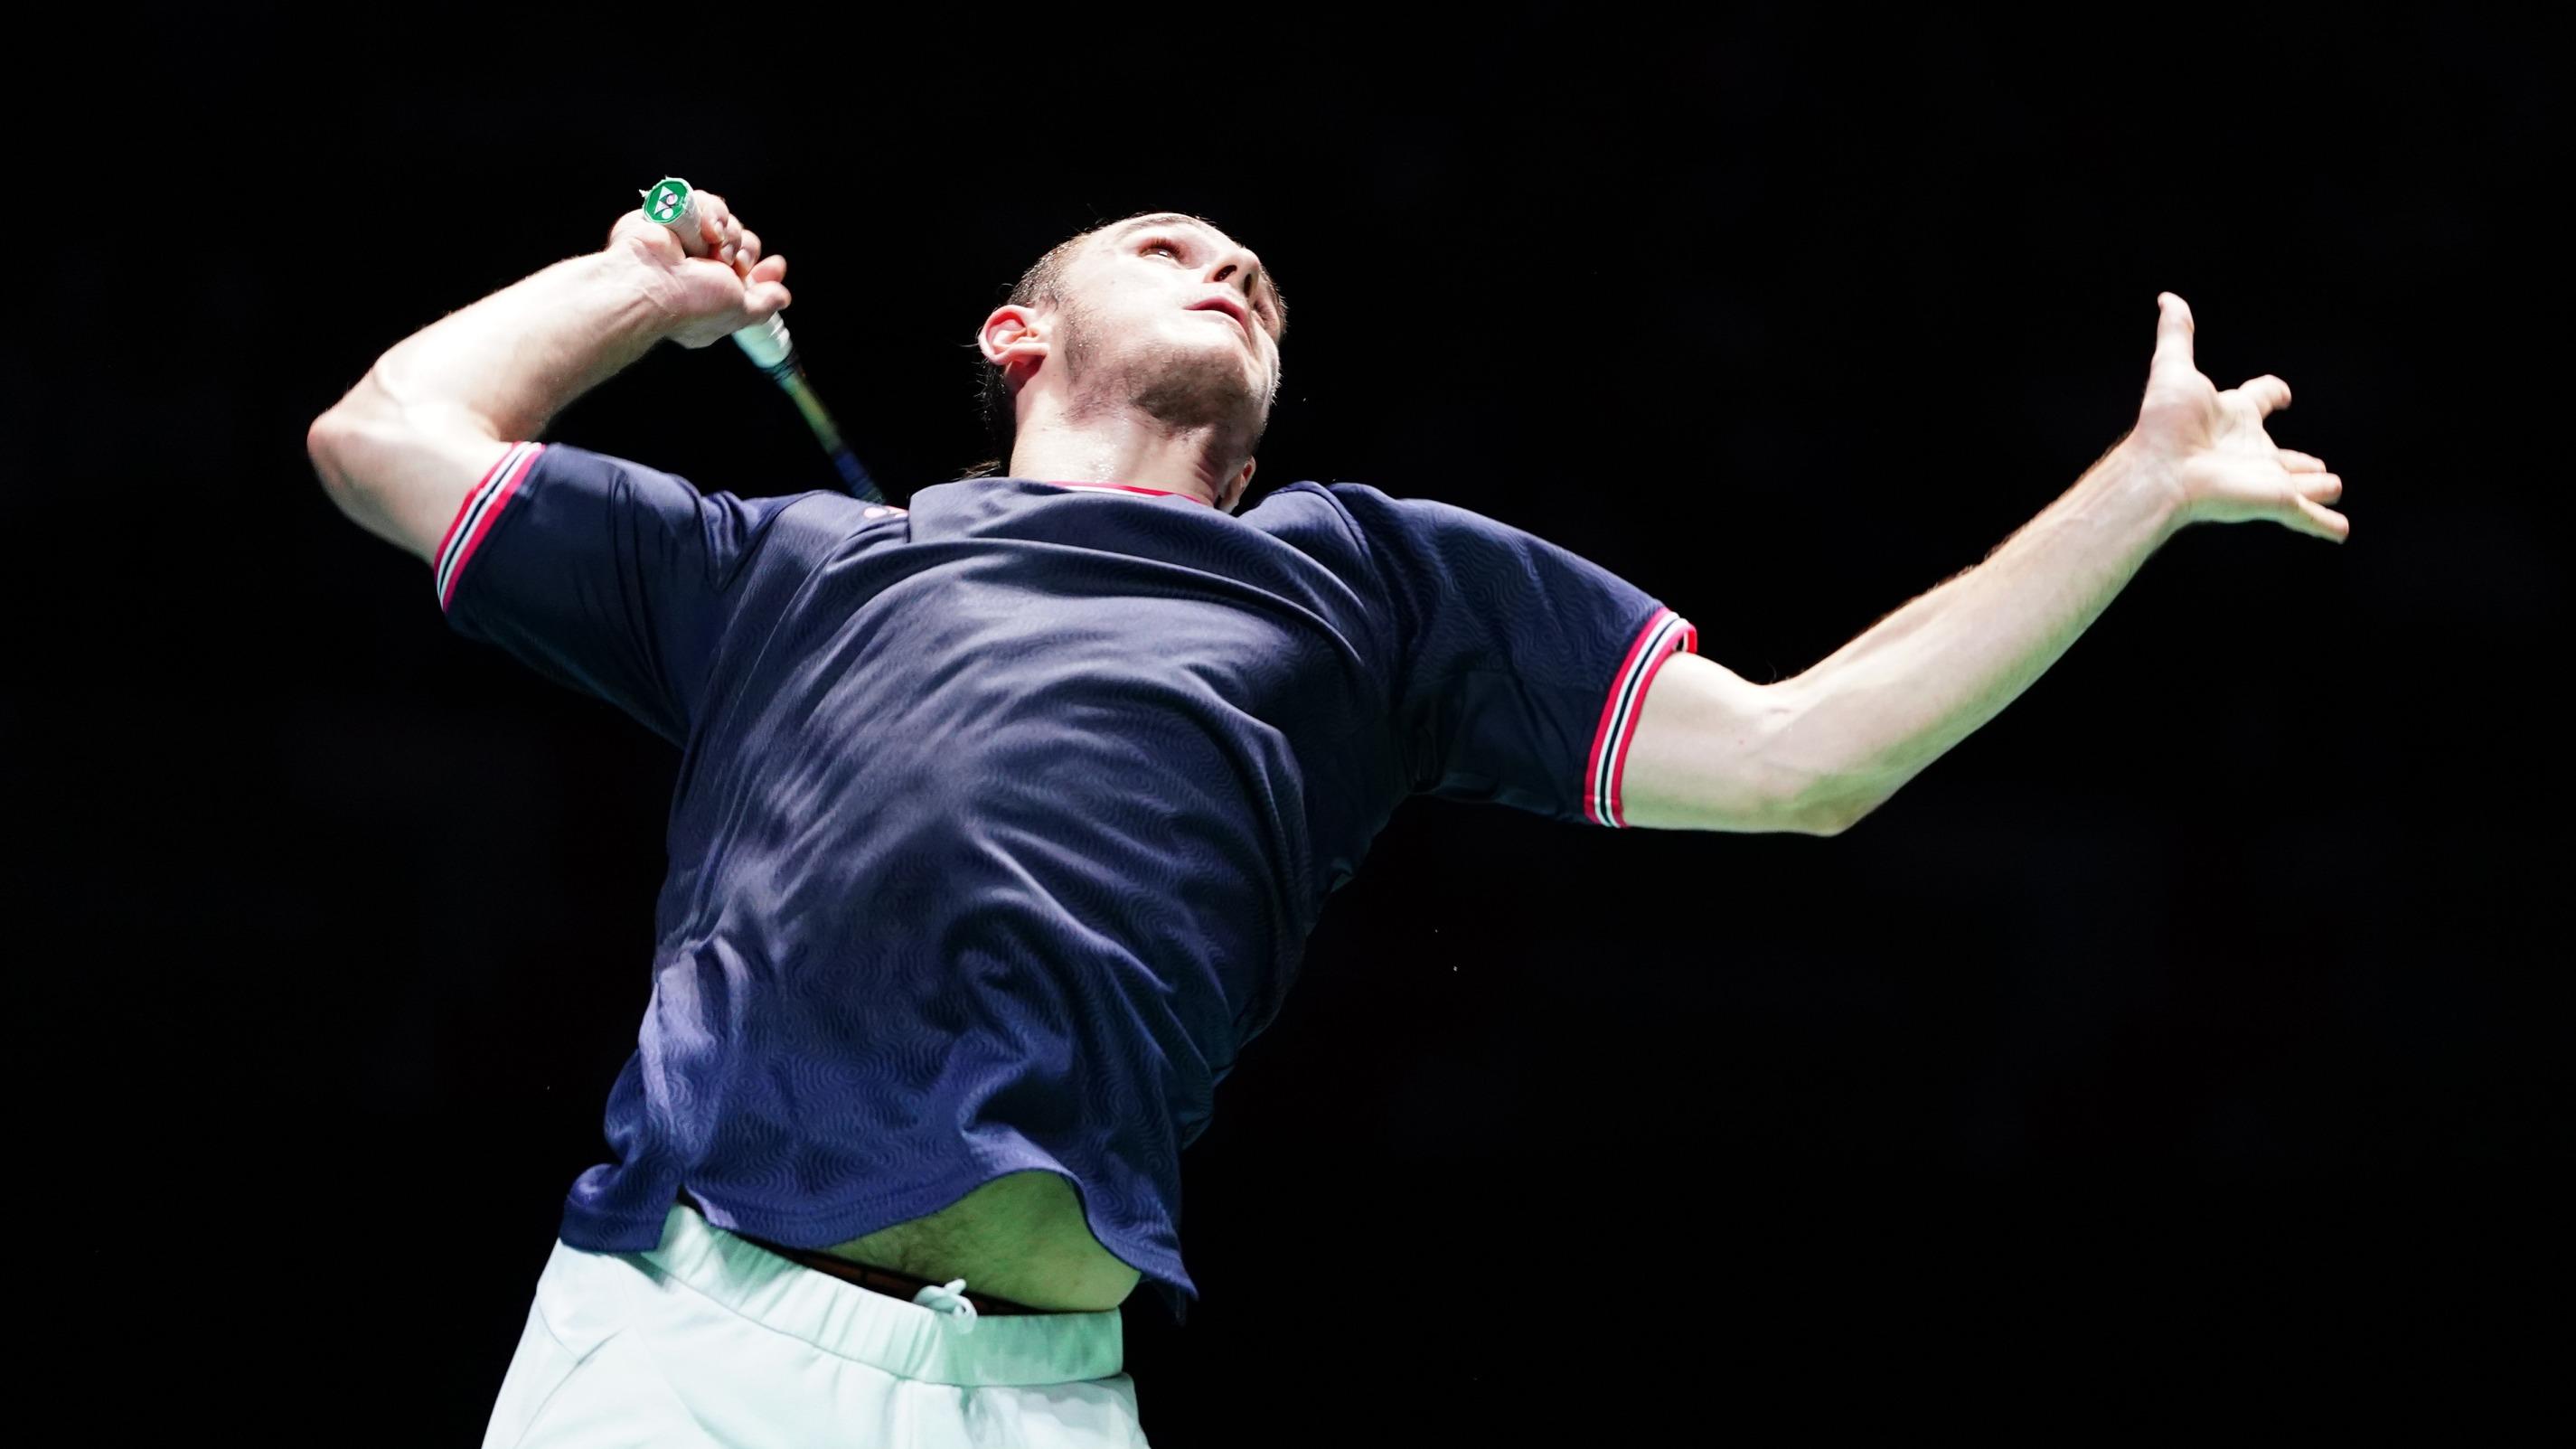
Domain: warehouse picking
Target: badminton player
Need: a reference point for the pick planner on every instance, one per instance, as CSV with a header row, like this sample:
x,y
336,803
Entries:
x,y
1001,821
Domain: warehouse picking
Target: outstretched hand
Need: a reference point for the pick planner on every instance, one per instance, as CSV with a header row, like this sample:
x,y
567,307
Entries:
x,y
2211,448
710,297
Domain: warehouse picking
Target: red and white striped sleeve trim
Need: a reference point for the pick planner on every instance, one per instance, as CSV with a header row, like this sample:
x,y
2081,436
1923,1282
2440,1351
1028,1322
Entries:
x,y
1664,634
473,520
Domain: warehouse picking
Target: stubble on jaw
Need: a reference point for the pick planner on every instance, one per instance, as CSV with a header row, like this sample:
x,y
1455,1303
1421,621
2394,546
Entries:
x,y
1184,387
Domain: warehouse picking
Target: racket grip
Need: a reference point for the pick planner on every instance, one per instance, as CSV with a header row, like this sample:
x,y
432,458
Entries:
x,y
685,227
765,341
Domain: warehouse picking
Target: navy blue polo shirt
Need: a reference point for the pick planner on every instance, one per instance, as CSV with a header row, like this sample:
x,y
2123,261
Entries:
x,y
1001,822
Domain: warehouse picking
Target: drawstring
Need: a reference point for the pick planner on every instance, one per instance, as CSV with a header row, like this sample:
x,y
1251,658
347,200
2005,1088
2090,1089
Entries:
x,y
949,1303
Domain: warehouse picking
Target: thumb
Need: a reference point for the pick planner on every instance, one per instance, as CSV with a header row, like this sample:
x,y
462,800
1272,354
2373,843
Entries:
x,y
2173,334
635,229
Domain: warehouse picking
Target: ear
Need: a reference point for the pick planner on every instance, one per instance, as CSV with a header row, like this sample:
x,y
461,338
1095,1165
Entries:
x,y
1013,337
1242,481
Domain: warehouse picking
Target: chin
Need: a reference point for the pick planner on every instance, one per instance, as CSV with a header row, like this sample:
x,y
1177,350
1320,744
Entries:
x,y
1203,390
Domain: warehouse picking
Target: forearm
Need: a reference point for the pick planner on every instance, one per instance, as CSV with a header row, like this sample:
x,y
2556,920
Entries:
x,y
1877,711
513,360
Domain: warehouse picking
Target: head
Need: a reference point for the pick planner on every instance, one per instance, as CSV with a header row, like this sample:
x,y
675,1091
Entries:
x,y
1135,316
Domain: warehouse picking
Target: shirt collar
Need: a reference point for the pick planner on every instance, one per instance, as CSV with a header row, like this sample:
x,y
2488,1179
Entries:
x,y
1121,488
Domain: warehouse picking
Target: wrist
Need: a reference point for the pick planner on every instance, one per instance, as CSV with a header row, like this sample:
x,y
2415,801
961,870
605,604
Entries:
x,y
2148,479
652,313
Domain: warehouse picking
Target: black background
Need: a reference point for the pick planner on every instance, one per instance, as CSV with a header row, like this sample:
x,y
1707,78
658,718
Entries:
x,y
2192,1021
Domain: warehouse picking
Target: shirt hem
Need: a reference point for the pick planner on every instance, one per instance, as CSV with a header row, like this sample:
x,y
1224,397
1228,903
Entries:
x,y
609,1230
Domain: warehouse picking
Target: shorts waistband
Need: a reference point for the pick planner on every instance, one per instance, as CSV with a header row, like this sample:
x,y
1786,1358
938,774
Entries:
x,y
867,1275
886,1280
879,1327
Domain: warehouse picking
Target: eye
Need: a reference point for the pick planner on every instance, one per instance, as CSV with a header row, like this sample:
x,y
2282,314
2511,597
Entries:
x,y
1159,245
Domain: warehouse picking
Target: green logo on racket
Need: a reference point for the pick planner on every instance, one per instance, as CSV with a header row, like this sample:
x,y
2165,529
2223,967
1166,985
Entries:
x,y
667,200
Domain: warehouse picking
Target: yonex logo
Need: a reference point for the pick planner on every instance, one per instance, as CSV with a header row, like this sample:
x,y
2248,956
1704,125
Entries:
x,y
666,199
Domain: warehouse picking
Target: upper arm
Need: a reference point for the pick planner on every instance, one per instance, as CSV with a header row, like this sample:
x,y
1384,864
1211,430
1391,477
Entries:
x,y
1714,751
1537,678
607,576
401,478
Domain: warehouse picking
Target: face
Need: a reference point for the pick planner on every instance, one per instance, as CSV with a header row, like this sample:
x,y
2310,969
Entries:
x,y
1172,317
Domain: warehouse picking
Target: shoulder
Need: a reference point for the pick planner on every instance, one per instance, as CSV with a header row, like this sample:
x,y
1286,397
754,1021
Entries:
x,y
1388,530
1362,507
1353,518
1402,525
1304,505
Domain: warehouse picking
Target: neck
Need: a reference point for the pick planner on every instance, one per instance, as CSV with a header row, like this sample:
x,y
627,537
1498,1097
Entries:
x,y
1131,447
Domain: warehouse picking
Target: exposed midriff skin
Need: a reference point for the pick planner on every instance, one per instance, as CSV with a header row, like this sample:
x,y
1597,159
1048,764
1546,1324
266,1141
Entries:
x,y
1020,1236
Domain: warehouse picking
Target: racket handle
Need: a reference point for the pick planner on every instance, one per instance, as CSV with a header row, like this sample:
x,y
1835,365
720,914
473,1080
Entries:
x,y
674,203
765,341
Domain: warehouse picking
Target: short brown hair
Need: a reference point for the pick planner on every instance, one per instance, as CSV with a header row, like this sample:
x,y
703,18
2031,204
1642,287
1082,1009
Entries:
x,y
1041,285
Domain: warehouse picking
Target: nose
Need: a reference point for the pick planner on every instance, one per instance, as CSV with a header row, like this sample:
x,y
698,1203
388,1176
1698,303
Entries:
x,y
1236,267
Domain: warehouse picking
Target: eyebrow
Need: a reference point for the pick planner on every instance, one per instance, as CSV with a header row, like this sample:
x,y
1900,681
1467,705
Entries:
x,y
1166,219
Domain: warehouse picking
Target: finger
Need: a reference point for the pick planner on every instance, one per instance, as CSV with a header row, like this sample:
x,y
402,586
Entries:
x,y
2324,522
2295,461
2323,487
771,269
746,251
2173,334
2268,394
712,216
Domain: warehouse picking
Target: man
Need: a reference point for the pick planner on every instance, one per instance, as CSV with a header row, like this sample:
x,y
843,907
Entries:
x,y
1001,821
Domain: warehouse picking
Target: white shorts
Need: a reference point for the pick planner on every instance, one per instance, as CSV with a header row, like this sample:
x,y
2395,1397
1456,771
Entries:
x,y
712,1340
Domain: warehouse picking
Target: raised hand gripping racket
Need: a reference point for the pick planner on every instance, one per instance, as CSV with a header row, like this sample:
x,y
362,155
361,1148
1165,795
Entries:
x,y
670,202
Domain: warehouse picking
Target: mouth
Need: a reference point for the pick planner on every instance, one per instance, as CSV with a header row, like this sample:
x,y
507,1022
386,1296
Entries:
x,y
1230,308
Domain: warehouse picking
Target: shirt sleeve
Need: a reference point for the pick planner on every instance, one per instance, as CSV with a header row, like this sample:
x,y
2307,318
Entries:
x,y
1521,667
603,575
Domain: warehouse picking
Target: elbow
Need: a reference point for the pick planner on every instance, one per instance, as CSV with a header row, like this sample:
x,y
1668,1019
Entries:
x,y
338,442
324,433
352,443
1830,796
1832,814
326,446
1819,823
